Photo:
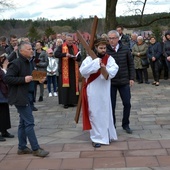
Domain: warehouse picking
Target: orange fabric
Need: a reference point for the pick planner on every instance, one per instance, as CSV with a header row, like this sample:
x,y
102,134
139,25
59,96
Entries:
x,y
65,68
85,108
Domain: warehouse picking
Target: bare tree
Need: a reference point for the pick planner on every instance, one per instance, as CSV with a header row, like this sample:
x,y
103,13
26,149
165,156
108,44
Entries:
x,y
6,4
139,19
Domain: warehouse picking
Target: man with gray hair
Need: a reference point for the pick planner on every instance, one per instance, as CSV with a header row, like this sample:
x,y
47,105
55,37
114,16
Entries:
x,y
124,77
19,80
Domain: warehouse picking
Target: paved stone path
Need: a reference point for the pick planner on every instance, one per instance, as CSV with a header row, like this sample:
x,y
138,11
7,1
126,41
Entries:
x,y
148,148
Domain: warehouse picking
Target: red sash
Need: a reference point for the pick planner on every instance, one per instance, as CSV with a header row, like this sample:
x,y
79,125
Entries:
x,y
85,109
65,68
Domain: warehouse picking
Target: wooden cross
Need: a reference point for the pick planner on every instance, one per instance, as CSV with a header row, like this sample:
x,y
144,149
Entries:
x,y
92,54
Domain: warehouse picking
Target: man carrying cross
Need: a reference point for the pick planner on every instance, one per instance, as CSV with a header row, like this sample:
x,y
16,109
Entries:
x,y
96,102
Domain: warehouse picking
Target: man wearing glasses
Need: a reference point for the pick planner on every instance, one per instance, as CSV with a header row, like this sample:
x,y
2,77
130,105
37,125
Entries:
x,y
124,78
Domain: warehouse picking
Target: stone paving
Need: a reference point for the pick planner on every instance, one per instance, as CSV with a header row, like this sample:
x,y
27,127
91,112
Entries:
x,y
148,148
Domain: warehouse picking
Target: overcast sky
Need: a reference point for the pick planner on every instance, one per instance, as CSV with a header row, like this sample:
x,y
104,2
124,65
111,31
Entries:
x,y
67,9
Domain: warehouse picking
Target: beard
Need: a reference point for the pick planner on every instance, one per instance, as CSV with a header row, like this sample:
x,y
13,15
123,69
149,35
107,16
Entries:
x,y
101,55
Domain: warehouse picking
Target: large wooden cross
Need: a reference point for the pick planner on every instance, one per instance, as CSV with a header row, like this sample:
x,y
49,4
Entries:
x,y
88,48
91,53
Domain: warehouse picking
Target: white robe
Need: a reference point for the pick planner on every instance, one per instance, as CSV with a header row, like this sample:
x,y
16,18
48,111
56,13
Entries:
x,y
99,100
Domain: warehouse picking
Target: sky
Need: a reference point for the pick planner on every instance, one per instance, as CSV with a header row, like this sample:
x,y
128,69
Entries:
x,y
68,9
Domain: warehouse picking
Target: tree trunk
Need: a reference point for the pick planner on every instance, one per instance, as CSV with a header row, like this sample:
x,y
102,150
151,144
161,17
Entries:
x,y
110,20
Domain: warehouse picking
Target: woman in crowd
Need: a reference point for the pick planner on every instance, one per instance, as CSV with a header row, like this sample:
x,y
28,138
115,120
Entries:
x,y
4,106
139,52
166,49
154,54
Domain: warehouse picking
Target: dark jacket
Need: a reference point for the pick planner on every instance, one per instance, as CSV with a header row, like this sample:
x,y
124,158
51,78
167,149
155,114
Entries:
x,y
154,50
42,61
15,78
125,62
166,48
11,53
125,40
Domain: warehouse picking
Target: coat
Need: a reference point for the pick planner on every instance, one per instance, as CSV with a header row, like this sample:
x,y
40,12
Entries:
x,y
142,49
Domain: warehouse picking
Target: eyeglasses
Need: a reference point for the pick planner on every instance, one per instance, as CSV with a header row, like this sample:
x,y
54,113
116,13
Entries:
x,y
113,38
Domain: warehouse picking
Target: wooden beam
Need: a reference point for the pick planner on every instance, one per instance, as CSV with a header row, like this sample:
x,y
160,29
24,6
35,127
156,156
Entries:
x,y
92,54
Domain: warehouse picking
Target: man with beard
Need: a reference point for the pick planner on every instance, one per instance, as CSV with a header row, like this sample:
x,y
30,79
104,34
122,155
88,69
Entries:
x,y
69,56
96,101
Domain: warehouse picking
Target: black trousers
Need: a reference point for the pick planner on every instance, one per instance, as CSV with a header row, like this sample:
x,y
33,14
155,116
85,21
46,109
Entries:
x,y
125,95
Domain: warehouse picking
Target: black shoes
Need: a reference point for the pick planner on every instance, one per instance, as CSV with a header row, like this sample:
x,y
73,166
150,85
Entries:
x,y
7,135
40,99
65,106
127,129
34,109
96,145
147,82
2,139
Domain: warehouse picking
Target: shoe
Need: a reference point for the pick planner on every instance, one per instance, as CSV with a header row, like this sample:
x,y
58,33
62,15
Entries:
x,y
65,106
153,83
55,94
157,84
7,135
2,139
140,82
147,82
71,105
165,78
24,151
40,152
50,95
128,130
40,99
34,109
96,145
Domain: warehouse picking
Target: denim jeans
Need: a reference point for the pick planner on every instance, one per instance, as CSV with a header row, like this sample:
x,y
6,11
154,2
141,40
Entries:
x,y
125,95
53,80
26,128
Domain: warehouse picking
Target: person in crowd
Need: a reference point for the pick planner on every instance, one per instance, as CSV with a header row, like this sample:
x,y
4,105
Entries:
x,y
164,65
133,41
59,42
3,42
18,78
124,38
124,79
104,36
12,50
41,63
166,49
5,122
51,73
98,73
154,54
69,56
139,52
32,91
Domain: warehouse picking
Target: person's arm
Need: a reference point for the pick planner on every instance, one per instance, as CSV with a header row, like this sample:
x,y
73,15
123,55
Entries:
x,y
58,53
12,77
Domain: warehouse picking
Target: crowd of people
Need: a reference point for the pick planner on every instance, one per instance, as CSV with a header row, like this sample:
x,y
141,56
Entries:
x,y
119,61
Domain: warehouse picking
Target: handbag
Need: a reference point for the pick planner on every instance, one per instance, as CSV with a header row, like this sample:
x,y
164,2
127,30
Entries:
x,y
145,62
